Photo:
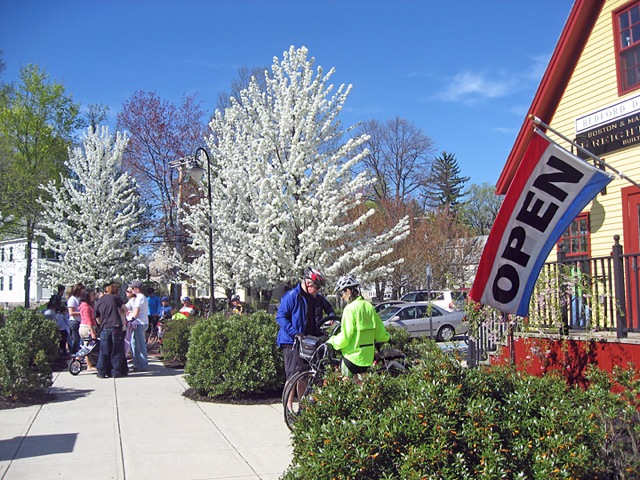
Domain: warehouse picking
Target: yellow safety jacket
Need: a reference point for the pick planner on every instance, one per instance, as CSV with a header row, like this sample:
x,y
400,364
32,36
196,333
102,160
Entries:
x,y
361,329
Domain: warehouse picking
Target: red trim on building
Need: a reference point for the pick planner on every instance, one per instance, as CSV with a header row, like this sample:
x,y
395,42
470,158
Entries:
x,y
572,40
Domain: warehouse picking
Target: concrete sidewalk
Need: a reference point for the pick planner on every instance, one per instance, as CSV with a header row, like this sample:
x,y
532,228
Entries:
x,y
140,427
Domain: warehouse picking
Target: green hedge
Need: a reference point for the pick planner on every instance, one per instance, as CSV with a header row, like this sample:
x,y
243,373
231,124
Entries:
x,y
443,421
234,356
175,338
28,347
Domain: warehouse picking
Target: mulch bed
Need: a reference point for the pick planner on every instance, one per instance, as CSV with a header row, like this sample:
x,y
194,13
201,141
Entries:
x,y
265,398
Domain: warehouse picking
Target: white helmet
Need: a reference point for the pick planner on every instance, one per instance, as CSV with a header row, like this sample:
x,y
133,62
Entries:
x,y
348,281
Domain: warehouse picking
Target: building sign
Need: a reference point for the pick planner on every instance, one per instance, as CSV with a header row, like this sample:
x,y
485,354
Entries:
x,y
610,137
607,115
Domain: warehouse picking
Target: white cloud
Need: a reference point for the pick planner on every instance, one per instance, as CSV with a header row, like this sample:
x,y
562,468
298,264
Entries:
x,y
470,87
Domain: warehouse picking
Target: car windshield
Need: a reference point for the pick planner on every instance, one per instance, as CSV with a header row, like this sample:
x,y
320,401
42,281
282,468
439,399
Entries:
x,y
388,312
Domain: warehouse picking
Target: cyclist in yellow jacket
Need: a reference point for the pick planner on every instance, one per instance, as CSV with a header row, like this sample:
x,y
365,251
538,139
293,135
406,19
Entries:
x,y
361,329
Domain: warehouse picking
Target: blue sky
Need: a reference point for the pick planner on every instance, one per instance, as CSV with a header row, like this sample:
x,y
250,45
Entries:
x,y
463,71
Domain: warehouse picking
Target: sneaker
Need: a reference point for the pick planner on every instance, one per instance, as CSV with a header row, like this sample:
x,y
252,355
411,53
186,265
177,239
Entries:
x,y
101,375
139,369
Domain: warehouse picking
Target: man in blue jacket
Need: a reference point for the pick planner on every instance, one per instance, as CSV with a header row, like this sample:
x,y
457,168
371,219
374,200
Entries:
x,y
299,311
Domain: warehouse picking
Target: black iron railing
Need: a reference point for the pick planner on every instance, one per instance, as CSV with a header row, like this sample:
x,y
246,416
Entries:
x,y
572,294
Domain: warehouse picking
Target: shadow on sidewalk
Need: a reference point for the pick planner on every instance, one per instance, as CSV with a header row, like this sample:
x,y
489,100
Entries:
x,y
37,446
63,394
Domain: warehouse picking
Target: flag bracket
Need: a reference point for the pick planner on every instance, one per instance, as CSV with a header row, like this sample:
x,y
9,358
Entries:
x,y
536,121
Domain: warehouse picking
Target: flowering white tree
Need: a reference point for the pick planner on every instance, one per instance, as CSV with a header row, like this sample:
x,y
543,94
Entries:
x,y
283,188
93,219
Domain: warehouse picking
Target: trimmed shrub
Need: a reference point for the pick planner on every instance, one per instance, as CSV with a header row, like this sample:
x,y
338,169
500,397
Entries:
x,y
234,356
28,347
443,421
175,338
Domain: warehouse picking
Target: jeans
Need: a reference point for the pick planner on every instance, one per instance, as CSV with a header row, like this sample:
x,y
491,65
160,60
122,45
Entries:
x,y
139,346
111,361
580,312
74,336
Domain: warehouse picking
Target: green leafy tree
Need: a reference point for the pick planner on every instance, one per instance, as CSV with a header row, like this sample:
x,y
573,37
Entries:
x,y
37,122
445,187
480,209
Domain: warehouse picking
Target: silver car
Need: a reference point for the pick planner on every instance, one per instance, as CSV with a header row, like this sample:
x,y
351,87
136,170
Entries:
x,y
424,319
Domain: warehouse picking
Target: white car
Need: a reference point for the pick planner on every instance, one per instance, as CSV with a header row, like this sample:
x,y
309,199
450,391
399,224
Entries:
x,y
425,320
439,298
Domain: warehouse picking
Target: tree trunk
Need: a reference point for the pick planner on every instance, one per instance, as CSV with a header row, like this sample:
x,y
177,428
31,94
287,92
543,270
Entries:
x,y
29,266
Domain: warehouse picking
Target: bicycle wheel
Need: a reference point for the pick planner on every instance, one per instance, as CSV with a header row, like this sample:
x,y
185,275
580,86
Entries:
x,y
152,339
295,390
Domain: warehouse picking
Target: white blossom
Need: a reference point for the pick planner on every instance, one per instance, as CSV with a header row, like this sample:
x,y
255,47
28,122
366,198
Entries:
x,y
94,217
283,187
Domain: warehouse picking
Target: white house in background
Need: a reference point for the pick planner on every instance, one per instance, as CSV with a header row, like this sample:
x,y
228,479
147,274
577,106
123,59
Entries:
x,y
13,267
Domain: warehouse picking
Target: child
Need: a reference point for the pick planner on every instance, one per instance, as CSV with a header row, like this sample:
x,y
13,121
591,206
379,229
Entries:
x,y
62,320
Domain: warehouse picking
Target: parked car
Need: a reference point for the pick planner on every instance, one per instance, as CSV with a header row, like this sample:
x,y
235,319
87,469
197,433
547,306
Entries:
x,y
440,298
419,318
387,303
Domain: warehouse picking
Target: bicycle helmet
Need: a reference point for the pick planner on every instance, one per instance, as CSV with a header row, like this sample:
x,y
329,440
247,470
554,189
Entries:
x,y
164,299
235,298
186,299
49,314
348,281
315,275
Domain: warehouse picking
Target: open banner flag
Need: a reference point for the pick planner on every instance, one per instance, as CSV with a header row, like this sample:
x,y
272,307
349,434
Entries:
x,y
549,189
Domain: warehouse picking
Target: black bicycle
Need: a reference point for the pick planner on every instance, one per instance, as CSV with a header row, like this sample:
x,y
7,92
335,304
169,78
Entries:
x,y
320,355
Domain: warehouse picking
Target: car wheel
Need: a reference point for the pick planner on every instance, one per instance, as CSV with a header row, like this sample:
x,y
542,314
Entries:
x,y
446,333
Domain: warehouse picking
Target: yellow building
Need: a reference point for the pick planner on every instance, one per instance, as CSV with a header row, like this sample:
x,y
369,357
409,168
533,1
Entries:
x,y
590,93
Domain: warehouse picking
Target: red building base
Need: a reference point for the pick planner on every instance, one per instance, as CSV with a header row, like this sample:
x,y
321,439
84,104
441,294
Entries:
x,y
538,355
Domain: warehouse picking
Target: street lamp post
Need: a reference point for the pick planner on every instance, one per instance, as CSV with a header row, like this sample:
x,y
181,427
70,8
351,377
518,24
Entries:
x,y
429,275
197,172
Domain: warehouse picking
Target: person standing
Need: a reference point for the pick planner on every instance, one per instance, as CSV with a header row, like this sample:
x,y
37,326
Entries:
x,y
154,308
110,313
166,309
299,311
55,302
140,313
62,320
87,322
130,323
236,305
360,329
187,308
73,307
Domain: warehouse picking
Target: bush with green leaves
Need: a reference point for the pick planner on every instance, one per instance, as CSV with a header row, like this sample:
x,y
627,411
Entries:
x,y
235,356
28,347
441,420
175,338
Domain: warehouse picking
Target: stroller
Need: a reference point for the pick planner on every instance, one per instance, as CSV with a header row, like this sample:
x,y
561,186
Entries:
x,y
91,349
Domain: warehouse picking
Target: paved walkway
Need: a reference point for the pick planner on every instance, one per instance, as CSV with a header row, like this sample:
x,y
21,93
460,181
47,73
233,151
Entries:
x,y
140,427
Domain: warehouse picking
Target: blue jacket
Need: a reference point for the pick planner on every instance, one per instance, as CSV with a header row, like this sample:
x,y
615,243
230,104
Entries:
x,y
292,314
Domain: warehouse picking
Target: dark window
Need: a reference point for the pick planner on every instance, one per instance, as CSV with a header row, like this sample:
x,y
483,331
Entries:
x,y
11,254
627,28
10,283
1,283
576,240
